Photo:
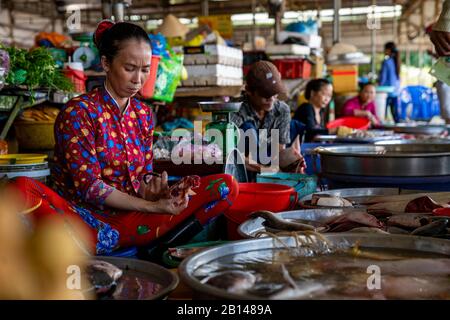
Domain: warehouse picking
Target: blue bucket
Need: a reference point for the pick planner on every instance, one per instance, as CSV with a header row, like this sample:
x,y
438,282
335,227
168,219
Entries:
x,y
304,184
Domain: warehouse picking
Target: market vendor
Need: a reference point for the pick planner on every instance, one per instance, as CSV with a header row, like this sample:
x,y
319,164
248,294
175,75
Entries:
x,y
103,153
261,112
363,104
319,93
440,35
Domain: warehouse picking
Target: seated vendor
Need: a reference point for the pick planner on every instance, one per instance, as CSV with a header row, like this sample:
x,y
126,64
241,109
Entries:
x,y
262,113
318,92
362,105
103,158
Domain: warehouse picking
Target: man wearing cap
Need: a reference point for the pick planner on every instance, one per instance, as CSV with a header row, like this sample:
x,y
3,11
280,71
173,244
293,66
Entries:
x,y
262,112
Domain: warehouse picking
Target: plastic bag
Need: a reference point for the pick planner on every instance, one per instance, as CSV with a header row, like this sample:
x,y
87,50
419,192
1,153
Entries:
x,y
168,77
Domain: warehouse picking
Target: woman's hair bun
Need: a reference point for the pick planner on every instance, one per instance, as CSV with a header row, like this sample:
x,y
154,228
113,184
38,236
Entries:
x,y
101,28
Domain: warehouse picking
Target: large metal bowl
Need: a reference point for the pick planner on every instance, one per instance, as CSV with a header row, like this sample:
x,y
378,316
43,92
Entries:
x,y
387,160
168,280
213,106
419,129
249,228
357,195
189,265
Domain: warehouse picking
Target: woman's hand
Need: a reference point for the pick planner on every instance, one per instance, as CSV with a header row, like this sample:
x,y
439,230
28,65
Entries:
x,y
172,206
441,41
154,187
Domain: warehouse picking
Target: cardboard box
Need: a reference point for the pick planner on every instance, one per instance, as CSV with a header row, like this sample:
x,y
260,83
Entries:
x,y
345,77
213,54
311,40
288,49
217,70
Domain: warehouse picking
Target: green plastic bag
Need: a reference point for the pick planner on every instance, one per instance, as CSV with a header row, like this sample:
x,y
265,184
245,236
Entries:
x,y
168,77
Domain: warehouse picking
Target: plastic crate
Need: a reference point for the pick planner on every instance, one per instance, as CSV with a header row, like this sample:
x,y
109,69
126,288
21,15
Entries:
x,y
293,68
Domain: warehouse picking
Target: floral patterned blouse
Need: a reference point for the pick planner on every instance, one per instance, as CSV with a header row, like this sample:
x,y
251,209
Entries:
x,y
99,149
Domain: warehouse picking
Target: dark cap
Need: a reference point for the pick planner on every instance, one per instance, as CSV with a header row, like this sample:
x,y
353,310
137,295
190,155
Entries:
x,y
264,78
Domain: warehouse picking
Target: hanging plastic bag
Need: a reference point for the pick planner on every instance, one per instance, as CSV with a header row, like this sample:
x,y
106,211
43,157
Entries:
x,y
168,77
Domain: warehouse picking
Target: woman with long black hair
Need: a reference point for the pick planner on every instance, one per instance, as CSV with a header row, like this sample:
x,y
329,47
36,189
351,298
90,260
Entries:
x,y
390,76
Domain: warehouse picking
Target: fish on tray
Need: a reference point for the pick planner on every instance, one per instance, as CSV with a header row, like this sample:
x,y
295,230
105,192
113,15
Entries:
x,y
352,220
103,276
274,223
326,200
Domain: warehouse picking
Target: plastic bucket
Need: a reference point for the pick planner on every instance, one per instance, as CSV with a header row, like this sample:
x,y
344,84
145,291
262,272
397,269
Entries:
x,y
258,196
149,87
78,79
380,105
351,122
304,184
37,171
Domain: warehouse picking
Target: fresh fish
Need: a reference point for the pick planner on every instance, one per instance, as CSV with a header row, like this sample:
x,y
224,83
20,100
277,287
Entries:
x,y
353,220
326,200
368,230
398,287
396,230
304,290
422,204
411,221
415,287
103,275
272,221
233,281
406,267
433,228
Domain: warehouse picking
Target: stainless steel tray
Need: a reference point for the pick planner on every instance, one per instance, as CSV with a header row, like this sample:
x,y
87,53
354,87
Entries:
x,y
418,129
387,160
249,228
362,194
213,106
168,280
189,265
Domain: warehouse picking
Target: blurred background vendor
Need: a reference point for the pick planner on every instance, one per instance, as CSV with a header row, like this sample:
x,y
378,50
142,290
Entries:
x,y
390,77
261,111
319,93
362,105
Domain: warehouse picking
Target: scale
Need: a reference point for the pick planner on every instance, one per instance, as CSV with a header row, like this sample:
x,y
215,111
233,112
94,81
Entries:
x,y
87,53
221,121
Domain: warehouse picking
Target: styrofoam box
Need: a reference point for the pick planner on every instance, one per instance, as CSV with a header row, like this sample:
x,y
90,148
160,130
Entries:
x,y
287,49
311,40
216,54
217,70
206,81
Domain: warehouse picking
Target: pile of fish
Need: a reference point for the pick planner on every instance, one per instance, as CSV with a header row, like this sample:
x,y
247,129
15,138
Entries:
x,y
109,282
103,277
340,275
414,214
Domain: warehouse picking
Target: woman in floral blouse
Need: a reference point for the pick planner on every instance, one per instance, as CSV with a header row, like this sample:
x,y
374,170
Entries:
x,y
104,149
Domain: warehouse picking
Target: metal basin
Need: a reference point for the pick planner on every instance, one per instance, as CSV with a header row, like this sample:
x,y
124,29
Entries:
x,y
249,228
418,129
357,195
351,193
189,265
213,106
387,160
146,270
